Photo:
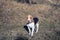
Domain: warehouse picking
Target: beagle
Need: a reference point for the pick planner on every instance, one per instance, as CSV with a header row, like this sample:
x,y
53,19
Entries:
x,y
34,25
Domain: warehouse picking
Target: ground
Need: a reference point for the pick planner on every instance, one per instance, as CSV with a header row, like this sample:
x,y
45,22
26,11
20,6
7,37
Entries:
x,y
13,19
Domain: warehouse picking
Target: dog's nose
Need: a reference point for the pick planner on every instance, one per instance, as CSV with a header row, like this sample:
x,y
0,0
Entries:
x,y
28,21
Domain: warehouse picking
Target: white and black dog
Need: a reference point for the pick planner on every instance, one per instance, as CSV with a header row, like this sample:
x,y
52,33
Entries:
x,y
32,25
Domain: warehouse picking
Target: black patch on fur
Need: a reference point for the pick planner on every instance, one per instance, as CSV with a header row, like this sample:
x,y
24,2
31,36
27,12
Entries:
x,y
26,28
35,20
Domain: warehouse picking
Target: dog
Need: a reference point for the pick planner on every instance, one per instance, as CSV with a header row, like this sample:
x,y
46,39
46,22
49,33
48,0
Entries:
x,y
32,26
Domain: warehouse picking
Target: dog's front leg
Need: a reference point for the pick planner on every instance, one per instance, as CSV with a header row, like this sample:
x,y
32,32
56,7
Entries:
x,y
29,30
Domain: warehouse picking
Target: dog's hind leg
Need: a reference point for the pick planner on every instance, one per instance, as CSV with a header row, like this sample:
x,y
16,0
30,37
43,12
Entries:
x,y
37,26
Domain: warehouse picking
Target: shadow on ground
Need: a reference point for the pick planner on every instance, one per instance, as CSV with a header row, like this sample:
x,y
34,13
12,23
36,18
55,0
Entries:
x,y
21,38
26,1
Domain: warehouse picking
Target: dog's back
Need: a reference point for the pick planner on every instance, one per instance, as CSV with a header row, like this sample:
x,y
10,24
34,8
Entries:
x,y
35,20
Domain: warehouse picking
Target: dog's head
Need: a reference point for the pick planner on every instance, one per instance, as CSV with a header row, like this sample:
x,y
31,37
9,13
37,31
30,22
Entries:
x,y
29,18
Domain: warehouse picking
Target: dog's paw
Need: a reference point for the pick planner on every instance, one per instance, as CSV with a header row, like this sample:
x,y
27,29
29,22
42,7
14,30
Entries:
x,y
36,32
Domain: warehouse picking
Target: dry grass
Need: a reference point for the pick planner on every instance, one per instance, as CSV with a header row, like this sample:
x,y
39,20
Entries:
x,y
12,20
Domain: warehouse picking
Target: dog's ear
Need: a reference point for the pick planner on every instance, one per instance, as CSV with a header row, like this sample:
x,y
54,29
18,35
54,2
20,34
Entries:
x,y
31,17
26,17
